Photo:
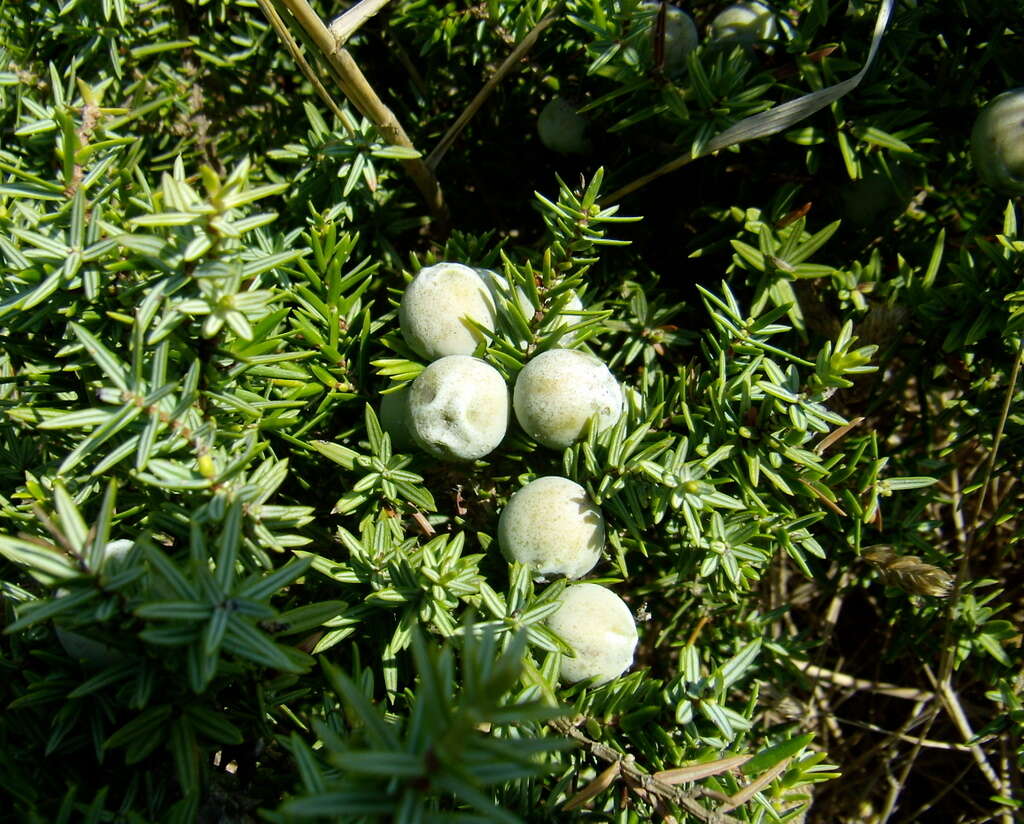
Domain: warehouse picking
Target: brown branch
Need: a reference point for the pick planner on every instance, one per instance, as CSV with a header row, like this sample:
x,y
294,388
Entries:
x,y
955,710
944,680
362,95
927,743
841,679
345,25
300,60
896,787
650,785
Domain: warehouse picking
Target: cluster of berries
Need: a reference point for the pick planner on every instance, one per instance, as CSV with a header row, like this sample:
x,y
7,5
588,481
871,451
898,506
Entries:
x,y
458,409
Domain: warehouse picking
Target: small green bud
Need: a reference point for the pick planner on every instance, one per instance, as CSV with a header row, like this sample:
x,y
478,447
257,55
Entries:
x,y
207,467
499,286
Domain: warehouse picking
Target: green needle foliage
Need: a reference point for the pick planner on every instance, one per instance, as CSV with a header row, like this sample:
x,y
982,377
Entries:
x,y
231,590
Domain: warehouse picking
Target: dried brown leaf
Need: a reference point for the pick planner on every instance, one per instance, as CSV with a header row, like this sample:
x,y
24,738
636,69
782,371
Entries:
x,y
595,787
695,772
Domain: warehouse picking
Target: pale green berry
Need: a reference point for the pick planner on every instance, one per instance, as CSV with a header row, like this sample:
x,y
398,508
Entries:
x,y
744,24
436,309
681,36
599,627
558,392
562,129
458,408
997,142
553,527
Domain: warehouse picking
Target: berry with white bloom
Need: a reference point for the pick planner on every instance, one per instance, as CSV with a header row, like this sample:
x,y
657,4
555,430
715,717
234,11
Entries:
x,y
437,306
599,627
558,391
553,527
458,408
